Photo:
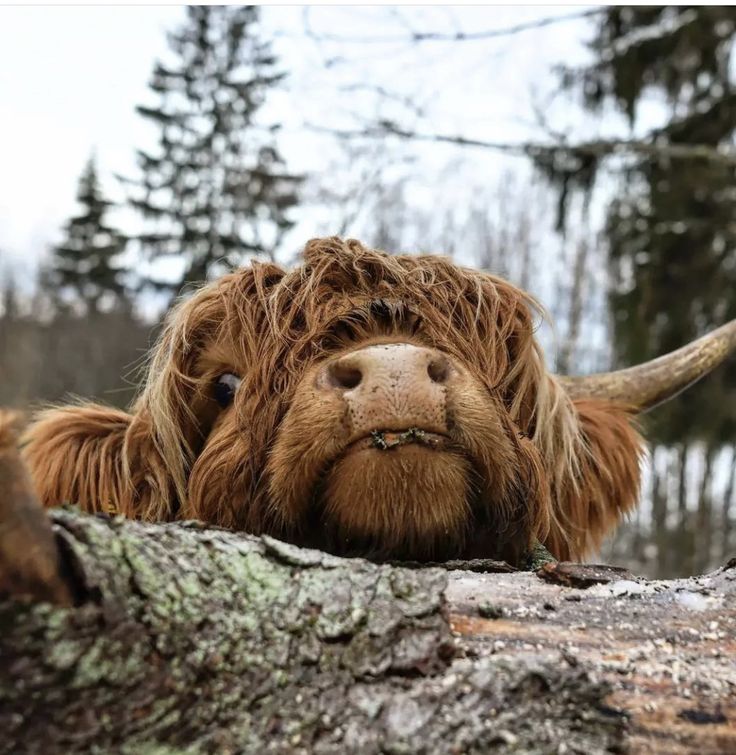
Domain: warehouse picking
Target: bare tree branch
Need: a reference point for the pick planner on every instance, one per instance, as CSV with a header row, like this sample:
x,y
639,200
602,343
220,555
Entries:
x,y
457,36
384,93
597,148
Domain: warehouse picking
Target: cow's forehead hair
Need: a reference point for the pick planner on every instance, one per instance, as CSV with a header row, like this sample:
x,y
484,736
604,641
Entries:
x,y
338,277
272,321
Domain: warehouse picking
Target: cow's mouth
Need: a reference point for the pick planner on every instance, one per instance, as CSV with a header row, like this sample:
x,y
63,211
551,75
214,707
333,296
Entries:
x,y
391,440
403,494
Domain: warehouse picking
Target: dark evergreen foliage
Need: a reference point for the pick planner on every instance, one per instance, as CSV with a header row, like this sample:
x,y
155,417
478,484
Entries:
x,y
83,269
216,189
671,231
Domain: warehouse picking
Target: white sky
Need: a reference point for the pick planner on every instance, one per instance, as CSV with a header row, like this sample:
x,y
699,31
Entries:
x,y
71,76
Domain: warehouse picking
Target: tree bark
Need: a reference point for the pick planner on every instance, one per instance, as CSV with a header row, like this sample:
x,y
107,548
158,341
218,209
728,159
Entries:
x,y
192,639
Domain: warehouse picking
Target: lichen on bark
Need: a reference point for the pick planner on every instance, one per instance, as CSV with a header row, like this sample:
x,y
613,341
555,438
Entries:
x,y
200,640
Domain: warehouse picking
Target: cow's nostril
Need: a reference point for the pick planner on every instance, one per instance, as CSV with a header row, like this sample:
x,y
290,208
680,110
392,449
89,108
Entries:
x,y
438,369
345,376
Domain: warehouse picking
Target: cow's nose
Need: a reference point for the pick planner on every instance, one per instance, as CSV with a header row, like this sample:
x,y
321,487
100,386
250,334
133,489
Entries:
x,y
395,364
394,386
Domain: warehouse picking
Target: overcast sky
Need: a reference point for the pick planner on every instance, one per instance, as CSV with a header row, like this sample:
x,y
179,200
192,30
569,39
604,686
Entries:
x,y
71,76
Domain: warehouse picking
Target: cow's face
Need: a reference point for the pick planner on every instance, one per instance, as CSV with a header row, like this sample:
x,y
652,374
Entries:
x,y
364,404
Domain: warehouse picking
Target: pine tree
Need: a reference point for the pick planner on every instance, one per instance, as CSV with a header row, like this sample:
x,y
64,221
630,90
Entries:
x,y
216,189
670,231
83,268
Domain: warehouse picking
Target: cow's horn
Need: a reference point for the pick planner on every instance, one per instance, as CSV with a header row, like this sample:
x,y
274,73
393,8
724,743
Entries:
x,y
647,385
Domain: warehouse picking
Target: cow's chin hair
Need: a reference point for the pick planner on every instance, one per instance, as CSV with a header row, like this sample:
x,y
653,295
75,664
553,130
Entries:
x,y
410,502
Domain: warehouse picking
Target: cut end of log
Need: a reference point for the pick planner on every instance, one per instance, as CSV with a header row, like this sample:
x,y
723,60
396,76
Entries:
x,y
32,566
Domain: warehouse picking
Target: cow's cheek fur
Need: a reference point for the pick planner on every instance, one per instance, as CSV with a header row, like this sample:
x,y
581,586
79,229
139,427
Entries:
x,y
512,494
311,436
220,489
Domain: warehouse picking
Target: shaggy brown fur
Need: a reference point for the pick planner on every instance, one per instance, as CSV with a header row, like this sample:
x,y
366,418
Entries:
x,y
522,462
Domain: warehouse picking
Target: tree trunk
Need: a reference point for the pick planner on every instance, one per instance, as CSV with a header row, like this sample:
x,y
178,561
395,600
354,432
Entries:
x,y
704,516
201,640
660,530
727,507
684,542
575,310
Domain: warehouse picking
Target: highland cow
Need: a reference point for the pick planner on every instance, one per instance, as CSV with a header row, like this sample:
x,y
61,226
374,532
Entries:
x,y
366,404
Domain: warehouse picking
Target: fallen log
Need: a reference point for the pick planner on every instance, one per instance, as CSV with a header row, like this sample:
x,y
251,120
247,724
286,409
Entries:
x,y
193,639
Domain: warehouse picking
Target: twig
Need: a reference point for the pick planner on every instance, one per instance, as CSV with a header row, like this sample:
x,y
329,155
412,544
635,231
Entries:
x,y
599,148
458,36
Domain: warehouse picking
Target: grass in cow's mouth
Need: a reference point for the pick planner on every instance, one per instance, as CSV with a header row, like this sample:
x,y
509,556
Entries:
x,y
385,440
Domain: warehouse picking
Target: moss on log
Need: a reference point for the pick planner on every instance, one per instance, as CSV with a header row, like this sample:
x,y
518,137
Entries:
x,y
188,639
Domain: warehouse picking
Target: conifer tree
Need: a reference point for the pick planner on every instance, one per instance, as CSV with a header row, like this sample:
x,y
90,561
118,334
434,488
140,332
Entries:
x,y
83,268
216,188
670,231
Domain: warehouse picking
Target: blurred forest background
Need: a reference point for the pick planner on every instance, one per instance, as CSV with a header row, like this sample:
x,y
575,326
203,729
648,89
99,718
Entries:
x,y
619,216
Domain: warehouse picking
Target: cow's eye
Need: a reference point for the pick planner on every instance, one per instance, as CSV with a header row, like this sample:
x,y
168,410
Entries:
x,y
225,388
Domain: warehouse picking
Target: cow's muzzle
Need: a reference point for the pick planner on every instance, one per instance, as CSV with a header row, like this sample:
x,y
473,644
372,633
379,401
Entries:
x,y
397,389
